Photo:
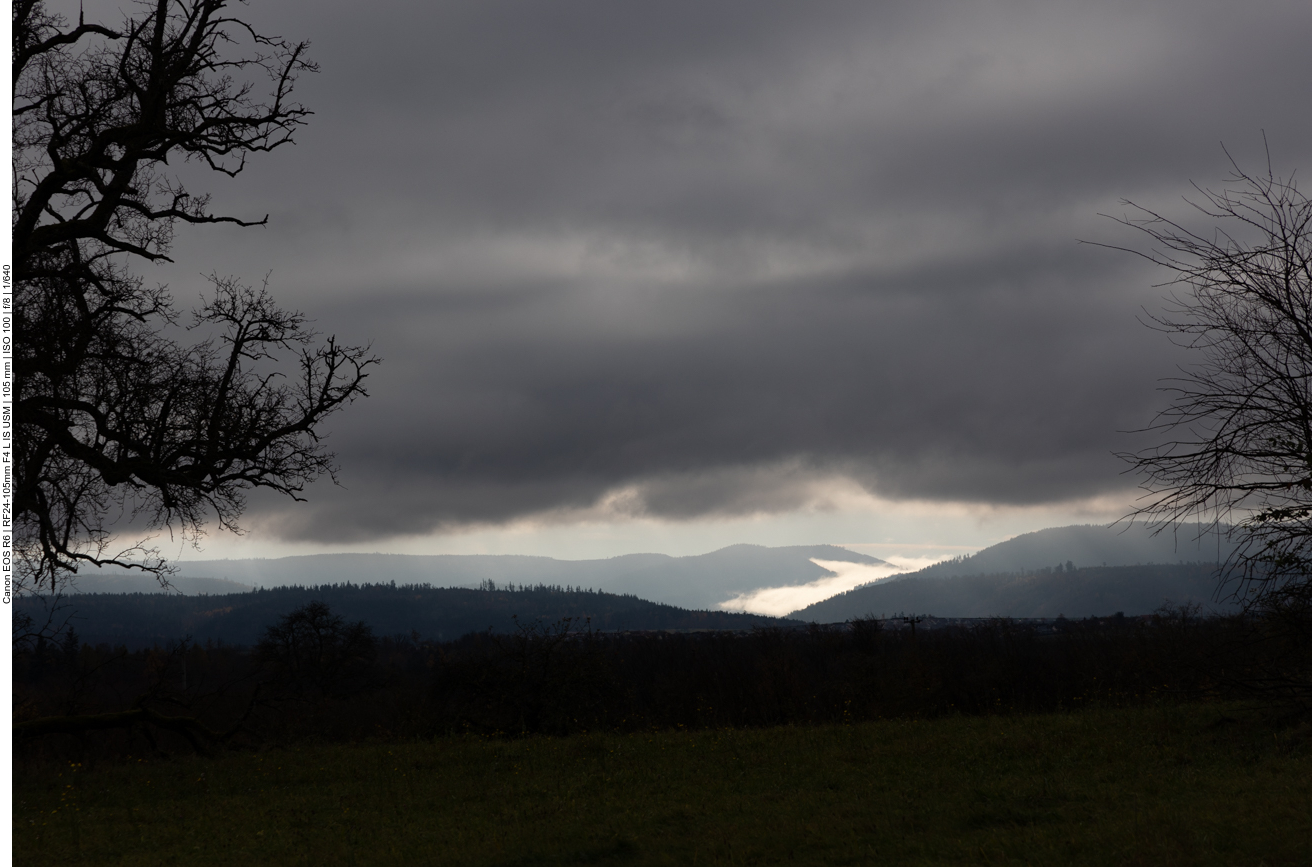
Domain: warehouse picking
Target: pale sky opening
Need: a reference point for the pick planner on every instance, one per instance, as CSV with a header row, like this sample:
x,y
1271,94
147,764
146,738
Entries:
x,y
894,531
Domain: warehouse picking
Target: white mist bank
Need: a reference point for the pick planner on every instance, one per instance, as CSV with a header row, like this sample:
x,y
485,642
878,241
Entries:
x,y
778,601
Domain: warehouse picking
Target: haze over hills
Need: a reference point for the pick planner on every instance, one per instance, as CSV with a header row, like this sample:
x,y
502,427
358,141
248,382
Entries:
x,y
107,581
697,582
708,580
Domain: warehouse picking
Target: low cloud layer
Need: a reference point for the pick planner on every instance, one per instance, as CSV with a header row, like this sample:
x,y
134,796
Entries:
x,y
779,601
691,259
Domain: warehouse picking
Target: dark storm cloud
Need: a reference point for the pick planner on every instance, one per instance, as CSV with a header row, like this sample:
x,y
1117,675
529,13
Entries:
x,y
994,382
698,258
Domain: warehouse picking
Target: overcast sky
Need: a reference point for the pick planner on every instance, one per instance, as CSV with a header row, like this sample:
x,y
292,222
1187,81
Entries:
x,y
669,276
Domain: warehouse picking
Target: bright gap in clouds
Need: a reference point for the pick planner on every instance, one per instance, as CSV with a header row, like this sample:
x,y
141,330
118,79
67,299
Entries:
x,y
778,601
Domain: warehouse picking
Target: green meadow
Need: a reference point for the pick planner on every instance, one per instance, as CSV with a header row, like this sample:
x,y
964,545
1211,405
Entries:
x,y
1199,784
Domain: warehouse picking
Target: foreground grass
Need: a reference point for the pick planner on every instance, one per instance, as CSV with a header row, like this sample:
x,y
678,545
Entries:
x,y
1147,786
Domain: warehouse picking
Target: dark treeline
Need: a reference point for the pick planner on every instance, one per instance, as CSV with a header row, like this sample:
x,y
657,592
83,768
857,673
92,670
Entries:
x,y
564,677
142,620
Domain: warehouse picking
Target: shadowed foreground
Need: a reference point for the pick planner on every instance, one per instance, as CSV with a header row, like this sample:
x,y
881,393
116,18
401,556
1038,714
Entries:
x,y
1201,784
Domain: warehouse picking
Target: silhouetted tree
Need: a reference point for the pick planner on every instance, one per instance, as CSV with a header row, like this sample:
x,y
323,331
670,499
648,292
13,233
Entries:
x,y
1238,431
313,648
115,417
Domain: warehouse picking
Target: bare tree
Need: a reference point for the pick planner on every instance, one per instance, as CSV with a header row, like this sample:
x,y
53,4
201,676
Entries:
x,y
313,648
118,413
1237,450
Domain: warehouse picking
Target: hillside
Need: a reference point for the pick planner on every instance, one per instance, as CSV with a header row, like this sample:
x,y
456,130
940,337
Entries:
x,y
1088,545
140,620
688,582
1094,591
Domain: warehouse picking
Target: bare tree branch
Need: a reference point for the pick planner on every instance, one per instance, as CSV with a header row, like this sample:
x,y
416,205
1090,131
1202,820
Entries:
x,y
1237,449
115,418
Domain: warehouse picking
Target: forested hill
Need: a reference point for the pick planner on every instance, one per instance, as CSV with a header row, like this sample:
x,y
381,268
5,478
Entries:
x,y
141,619
1096,591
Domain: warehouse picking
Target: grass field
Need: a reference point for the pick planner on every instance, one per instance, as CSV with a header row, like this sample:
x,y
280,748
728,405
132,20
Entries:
x,y
1173,785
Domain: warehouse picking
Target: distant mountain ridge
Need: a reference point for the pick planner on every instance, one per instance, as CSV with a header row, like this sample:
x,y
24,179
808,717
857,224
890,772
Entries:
x,y
1078,571
696,582
1088,545
1093,592
703,581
